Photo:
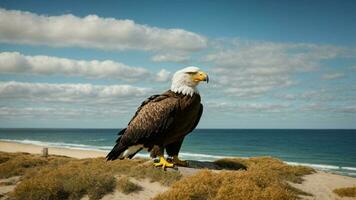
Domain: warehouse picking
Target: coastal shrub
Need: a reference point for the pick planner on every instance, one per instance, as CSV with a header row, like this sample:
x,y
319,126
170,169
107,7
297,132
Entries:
x,y
41,188
253,185
287,172
264,178
203,185
69,181
18,164
58,177
126,186
346,192
4,157
229,185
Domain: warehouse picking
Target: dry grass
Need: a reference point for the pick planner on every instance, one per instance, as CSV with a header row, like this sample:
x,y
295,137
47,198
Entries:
x,y
16,164
59,177
4,157
265,178
125,186
284,171
66,178
346,192
68,181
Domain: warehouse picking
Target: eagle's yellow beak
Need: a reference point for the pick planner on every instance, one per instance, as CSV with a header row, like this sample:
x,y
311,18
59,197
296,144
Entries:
x,y
201,76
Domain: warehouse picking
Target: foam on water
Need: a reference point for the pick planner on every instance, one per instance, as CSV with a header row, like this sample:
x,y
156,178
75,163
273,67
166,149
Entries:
x,y
331,168
317,166
186,154
349,168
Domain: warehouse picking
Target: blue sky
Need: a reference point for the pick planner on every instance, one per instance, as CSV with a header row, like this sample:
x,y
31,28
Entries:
x,y
87,64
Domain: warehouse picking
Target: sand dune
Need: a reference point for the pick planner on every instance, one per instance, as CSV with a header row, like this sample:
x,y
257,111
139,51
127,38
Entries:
x,y
321,185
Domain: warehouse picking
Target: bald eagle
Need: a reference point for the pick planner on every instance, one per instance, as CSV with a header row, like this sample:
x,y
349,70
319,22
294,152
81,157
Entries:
x,y
162,121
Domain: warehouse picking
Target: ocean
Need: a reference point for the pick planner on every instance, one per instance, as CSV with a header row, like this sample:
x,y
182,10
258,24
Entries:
x,y
328,150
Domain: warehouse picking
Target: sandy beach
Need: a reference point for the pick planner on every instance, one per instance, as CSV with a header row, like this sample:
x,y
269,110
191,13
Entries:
x,y
35,149
320,184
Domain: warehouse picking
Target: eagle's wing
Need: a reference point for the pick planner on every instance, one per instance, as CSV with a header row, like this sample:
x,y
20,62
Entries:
x,y
197,119
174,148
151,120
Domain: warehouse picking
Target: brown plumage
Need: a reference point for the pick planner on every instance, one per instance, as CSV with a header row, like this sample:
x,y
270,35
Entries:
x,y
161,122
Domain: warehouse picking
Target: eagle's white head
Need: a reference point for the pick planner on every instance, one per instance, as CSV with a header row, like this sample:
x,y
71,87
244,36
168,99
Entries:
x,y
186,80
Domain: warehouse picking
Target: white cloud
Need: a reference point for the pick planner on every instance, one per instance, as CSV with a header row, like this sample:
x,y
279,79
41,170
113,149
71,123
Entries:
x,y
262,107
311,95
332,76
171,57
14,62
49,101
251,86
317,107
11,112
252,107
41,113
163,76
251,69
70,93
93,32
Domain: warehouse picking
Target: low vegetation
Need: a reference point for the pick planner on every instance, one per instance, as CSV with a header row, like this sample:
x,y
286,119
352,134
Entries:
x,y
346,192
18,164
286,172
69,181
58,177
264,178
126,186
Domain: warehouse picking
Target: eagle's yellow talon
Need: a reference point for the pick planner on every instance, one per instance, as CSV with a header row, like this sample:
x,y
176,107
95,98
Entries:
x,y
163,163
179,162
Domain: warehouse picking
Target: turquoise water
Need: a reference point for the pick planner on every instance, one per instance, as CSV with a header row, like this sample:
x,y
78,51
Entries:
x,y
330,150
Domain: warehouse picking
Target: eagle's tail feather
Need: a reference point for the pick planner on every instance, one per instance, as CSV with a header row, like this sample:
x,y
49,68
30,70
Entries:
x,y
134,153
118,149
116,152
122,150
